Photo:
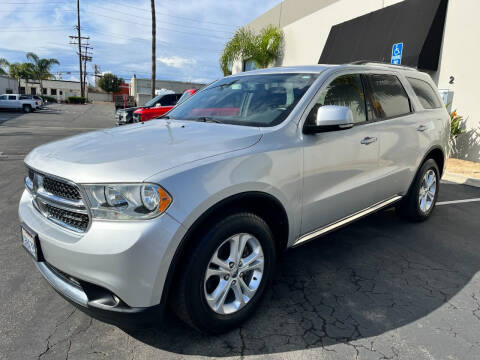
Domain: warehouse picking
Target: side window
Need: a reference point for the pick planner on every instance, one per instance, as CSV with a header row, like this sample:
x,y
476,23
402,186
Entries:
x,y
345,90
3,97
168,100
12,97
425,93
386,97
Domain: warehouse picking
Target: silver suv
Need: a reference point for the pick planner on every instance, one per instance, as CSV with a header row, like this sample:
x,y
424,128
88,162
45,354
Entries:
x,y
194,209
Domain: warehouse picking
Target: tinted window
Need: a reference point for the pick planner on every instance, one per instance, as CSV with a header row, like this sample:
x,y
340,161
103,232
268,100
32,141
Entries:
x,y
345,90
425,94
387,97
12,97
169,100
3,97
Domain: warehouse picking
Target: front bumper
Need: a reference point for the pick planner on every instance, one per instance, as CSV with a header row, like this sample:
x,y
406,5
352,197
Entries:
x,y
129,260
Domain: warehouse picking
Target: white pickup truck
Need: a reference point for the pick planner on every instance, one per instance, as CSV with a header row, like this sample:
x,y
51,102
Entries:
x,y
18,102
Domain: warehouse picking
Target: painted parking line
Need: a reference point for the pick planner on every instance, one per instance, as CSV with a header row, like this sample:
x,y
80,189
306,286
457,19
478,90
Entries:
x,y
458,201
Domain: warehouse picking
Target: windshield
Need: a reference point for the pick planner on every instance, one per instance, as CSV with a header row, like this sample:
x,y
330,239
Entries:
x,y
252,100
153,101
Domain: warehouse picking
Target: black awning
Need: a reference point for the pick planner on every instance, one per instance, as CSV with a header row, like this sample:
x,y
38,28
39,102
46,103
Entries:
x,y
418,24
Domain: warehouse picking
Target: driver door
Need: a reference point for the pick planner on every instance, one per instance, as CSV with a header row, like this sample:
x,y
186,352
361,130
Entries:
x,y
340,167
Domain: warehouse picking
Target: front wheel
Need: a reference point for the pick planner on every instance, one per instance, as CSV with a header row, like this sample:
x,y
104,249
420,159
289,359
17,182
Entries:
x,y
225,275
420,200
27,108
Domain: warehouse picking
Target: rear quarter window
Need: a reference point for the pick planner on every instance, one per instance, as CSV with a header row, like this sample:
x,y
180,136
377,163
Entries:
x,y
386,97
425,93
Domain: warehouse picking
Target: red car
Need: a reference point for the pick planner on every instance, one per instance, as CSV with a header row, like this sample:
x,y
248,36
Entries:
x,y
166,103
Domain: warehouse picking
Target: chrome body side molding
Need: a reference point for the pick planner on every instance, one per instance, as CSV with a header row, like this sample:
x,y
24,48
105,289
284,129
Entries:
x,y
326,229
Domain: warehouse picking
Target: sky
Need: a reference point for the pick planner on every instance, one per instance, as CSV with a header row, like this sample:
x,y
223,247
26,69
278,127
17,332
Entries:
x,y
190,34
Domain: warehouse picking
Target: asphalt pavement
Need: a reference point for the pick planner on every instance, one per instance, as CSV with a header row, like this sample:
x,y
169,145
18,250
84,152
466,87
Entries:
x,y
381,288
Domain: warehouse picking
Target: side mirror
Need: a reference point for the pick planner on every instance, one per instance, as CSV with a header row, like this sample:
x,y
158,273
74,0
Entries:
x,y
330,118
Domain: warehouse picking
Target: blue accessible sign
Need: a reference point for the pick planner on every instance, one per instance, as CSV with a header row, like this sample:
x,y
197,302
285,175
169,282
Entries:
x,y
397,51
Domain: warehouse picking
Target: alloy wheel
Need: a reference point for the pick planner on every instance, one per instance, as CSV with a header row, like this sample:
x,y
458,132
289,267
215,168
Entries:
x,y
428,188
234,273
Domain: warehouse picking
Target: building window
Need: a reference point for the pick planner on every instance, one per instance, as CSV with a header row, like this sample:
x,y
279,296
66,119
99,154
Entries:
x,y
53,91
61,92
249,65
33,91
22,89
9,91
44,91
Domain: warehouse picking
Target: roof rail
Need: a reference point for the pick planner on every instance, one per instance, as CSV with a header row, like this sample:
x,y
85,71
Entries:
x,y
368,62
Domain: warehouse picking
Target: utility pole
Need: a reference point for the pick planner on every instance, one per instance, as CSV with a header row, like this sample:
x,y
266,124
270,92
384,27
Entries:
x,y
154,40
75,40
86,56
82,90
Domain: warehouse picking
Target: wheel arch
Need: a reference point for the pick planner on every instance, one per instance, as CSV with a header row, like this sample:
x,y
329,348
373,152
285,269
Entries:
x,y
260,203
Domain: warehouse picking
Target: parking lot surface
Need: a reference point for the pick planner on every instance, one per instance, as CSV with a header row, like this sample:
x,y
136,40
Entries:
x,y
381,288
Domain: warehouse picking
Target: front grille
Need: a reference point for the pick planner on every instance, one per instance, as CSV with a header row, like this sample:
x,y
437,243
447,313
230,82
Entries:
x,y
76,220
61,189
59,201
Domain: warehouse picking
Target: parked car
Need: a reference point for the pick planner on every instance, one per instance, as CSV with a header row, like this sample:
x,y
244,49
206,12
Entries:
x,y
125,116
162,107
123,102
18,102
36,98
193,212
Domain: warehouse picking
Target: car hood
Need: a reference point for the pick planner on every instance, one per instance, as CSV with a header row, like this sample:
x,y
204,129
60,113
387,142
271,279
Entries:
x,y
135,152
129,110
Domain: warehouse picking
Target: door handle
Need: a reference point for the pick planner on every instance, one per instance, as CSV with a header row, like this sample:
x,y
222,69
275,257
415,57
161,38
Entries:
x,y
421,128
368,140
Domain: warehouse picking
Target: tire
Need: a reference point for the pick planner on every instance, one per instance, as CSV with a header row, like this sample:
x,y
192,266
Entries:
x,y
195,285
411,207
27,109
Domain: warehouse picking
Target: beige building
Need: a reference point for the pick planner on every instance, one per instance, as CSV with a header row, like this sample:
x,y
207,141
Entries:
x,y
140,89
445,44
8,85
58,89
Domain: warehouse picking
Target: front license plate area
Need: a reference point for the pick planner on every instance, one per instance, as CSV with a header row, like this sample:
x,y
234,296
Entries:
x,y
30,242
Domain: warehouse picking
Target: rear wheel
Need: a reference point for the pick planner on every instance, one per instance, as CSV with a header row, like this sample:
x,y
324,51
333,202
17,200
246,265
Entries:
x,y
27,108
420,200
225,275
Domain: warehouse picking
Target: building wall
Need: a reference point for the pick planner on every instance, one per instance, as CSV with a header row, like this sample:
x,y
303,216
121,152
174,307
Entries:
x,y
460,54
307,23
63,88
8,85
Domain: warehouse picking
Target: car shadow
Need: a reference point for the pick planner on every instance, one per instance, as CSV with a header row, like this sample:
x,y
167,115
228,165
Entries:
x,y
368,278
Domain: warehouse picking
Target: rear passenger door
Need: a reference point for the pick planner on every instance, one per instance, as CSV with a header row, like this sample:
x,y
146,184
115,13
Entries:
x,y
399,145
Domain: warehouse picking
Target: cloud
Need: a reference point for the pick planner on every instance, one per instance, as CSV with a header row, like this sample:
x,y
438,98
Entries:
x,y
176,61
190,35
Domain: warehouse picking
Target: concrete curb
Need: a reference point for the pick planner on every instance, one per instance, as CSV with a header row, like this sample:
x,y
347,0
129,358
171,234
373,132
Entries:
x,y
461,179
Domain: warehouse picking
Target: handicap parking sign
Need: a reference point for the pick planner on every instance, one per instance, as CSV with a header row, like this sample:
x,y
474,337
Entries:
x,y
397,51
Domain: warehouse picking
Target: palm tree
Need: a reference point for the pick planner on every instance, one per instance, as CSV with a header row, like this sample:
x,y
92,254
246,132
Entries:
x,y
41,68
263,48
3,63
21,71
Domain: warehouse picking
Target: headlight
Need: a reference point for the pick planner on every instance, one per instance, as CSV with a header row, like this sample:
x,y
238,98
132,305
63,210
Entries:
x,y
127,201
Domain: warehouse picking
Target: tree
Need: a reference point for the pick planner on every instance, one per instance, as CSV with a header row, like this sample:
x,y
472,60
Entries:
x,y
154,42
262,48
21,71
41,68
3,64
110,83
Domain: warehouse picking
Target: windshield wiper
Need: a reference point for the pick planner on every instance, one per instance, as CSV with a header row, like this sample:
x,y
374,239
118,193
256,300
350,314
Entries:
x,y
208,119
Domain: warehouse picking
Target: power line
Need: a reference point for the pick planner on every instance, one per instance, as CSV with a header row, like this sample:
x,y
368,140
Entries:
x,y
160,28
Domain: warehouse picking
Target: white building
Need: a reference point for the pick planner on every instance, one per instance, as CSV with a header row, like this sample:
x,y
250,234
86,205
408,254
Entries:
x,y
8,85
58,89
440,37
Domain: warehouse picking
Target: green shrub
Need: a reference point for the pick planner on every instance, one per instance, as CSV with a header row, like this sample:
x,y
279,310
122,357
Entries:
x,y
76,100
50,99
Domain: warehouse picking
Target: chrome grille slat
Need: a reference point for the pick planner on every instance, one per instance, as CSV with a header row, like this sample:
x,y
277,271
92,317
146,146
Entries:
x,y
60,201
